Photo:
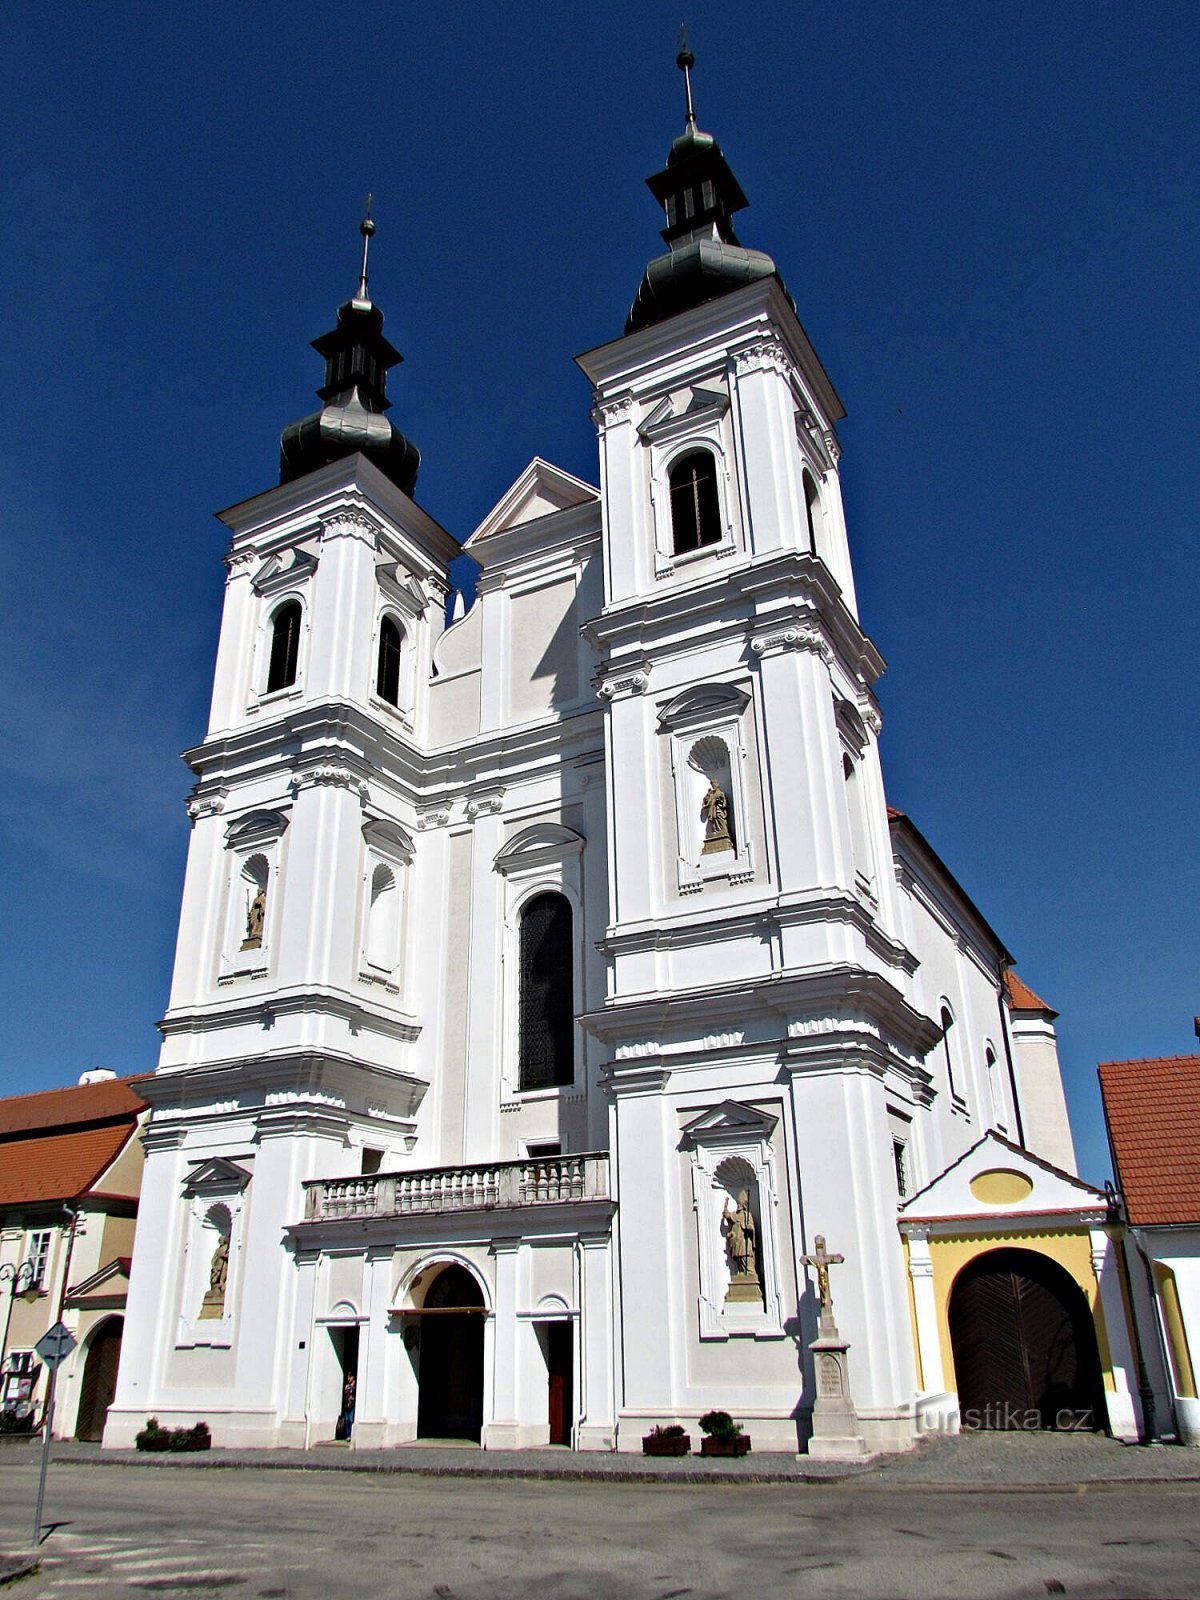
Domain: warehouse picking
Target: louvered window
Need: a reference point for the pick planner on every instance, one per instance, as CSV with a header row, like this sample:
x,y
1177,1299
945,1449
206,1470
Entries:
x,y
547,1010
695,503
285,647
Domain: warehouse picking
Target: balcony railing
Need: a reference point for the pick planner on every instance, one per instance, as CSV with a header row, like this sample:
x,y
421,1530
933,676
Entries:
x,y
553,1180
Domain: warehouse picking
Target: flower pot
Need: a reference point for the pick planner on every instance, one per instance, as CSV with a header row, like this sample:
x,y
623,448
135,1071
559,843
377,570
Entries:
x,y
654,1444
737,1444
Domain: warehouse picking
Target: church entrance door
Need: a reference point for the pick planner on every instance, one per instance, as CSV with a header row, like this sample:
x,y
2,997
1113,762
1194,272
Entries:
x,y
560,1363
1024,1344
450,1399
99,1379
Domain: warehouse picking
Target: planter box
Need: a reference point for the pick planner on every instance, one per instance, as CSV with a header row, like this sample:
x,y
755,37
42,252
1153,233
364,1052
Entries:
x,y
655,1445
738,1445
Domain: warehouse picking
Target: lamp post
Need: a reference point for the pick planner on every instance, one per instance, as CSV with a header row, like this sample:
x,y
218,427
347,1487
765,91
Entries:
x,y
21,1277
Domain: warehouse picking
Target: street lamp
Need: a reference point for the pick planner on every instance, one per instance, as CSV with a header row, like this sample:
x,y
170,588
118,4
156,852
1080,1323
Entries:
x,y
23,1278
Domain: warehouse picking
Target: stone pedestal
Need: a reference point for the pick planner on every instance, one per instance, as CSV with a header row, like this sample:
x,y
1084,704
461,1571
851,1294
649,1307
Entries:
x,y
836,1433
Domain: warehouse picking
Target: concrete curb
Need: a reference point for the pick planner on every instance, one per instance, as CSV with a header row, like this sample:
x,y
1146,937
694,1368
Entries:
x,y
14,1567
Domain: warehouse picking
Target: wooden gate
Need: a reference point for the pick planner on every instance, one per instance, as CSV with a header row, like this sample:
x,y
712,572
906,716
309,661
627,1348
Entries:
x,y
99,1379
1025,1353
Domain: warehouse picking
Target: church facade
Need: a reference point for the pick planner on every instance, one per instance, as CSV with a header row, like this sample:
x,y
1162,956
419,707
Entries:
x,y
548,983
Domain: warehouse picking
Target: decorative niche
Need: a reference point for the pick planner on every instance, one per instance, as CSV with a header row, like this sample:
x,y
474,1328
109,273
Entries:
x,y
388,856
252,845
735,1198
705,726
216,1192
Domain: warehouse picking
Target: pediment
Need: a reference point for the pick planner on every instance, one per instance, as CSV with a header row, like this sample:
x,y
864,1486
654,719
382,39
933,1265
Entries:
x,y
729,1121
389,838
686,407
217,1175
256,827
283,568
704,703
540,491
111,1279
535,845
996,1179
401,588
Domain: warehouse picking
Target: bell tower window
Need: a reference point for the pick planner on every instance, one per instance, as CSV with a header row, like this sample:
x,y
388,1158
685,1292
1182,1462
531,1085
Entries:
x,y
387,679
285,647
695,502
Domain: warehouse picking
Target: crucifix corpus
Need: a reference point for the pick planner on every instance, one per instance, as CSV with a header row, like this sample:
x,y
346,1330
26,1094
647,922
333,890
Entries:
x,y
821,1261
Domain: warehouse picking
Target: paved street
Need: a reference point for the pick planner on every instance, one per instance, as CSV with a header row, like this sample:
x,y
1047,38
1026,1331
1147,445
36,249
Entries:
x,y
270,1535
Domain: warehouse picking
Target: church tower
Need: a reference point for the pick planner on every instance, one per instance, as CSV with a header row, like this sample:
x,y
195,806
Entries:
x,y
758,1011
292,1044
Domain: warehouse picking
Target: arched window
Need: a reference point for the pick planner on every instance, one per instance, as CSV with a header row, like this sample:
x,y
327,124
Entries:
x,y
387,679
546,1024
695,503
285,647
812,509
383,918
956,1094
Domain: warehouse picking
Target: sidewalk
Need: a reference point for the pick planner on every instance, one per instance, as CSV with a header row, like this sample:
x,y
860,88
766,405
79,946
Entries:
x,y
966,1461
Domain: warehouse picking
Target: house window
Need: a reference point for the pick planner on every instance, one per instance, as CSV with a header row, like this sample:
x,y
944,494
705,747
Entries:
x,y
546,1048
285,647
695,502
372,1160
38,1255
387,679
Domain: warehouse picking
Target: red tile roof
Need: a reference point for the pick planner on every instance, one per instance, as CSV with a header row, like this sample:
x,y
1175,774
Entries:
x,y
1153,1112
58,1166
83,1102
1021,997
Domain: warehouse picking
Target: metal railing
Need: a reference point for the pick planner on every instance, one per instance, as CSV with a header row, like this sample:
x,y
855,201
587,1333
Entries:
x,y
549,1180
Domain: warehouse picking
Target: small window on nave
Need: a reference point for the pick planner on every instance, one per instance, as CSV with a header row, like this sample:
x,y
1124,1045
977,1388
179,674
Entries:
x,y
387,677
695,502
812,510
285,647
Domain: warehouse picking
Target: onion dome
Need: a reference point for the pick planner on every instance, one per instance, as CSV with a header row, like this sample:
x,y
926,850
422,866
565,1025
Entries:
x,y
704,258
351,420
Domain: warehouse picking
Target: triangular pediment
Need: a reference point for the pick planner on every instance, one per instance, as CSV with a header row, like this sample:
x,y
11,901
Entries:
x,y
686,406
283,568
540,491
217,1175
729,1120
111,1279
998,1179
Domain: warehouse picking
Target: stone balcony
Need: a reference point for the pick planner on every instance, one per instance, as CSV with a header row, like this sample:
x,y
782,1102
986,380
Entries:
x,y
496,1185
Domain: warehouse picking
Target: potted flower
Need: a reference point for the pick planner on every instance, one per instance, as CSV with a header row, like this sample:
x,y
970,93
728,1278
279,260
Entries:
x,y
668,1441
723,1436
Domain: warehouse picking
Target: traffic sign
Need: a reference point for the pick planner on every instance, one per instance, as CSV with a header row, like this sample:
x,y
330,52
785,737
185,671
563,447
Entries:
x,y
55,1345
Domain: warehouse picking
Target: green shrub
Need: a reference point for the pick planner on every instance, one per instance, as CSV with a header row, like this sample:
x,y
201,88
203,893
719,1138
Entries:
x,y
14,1422
719,1425
155,1437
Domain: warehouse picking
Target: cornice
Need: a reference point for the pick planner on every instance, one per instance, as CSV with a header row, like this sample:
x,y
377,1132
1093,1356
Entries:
x,y
263,1008
240,1086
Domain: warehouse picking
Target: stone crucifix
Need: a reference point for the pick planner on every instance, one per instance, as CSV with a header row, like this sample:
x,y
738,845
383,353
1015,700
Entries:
x,y
821,1261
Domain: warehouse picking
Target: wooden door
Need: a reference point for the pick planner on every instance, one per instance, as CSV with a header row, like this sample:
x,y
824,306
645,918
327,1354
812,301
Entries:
x,y
560,1361
99,1380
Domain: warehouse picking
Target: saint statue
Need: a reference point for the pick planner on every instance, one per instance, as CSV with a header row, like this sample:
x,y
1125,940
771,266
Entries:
x,y
714,808
256,917
218,1278
741,1234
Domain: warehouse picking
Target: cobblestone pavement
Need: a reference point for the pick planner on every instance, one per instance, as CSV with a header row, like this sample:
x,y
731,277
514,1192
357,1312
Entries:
x,y
984,1459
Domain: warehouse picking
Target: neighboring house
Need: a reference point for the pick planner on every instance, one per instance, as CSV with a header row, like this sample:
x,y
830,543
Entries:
x,y
70,1172
1153,1112
549,984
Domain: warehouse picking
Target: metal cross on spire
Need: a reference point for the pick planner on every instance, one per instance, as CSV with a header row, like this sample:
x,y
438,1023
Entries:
x,y
366,227
685,61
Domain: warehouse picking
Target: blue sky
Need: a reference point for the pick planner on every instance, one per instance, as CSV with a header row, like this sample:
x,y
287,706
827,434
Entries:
x,y
987,217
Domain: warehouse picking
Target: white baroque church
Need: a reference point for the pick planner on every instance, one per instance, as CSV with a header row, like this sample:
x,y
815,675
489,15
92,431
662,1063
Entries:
x,y
548,982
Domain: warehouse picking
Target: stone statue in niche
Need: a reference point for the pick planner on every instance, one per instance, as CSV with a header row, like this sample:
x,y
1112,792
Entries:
x,y
256,918
741,1238
714,808
218,1280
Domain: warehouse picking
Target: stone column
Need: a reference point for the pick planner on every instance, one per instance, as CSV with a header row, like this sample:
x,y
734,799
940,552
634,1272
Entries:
x,y
501,1428
596,1333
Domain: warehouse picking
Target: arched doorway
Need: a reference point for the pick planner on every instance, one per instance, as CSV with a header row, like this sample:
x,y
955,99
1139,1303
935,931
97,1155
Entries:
x,y
450,1400
99,1379
1024,1343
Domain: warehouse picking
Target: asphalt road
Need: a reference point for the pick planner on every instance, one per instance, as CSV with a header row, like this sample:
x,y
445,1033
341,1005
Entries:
x,y
262,1535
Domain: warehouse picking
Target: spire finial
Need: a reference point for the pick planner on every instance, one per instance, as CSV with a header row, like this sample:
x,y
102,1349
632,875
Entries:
x,y
685,61
366,227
